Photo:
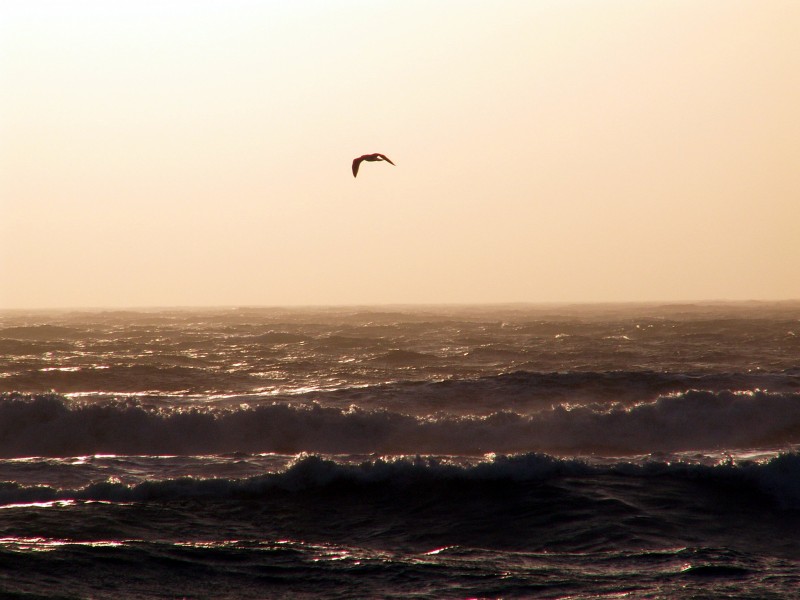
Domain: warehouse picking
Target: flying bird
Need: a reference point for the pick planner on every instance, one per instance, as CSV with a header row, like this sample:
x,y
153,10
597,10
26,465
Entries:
x,y
369,158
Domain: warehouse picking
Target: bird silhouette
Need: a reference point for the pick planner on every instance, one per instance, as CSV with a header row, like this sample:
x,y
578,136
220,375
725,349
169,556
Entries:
x,y
369,158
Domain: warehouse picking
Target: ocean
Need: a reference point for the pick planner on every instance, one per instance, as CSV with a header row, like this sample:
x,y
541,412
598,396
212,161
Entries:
x,y
555,451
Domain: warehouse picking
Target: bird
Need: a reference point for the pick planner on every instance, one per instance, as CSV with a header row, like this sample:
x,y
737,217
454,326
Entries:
x,y
369,158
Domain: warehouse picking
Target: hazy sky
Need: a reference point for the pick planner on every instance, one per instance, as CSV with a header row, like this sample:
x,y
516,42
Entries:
x,y
198,152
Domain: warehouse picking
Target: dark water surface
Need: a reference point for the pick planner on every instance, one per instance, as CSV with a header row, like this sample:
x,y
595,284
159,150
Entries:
x,y
554,452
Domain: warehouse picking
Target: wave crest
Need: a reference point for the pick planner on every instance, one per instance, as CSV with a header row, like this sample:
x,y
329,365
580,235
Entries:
x,y
778,478
51,425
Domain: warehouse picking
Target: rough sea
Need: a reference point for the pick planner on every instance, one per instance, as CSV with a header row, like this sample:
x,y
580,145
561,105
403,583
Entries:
x,y
609,451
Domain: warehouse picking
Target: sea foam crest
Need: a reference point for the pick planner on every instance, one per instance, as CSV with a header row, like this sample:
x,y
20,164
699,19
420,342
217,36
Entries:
x,y
51,425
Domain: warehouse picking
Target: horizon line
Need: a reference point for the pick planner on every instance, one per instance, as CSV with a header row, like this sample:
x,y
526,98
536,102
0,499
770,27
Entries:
x,y
367,305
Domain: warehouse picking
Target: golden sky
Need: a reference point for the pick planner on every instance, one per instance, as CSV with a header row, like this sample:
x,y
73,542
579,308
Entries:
x,y
198,152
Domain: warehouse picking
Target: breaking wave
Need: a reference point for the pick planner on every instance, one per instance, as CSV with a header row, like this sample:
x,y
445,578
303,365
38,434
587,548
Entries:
x,y
52,425
778,478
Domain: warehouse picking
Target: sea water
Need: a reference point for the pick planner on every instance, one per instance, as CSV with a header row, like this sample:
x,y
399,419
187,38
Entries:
x,y
637,451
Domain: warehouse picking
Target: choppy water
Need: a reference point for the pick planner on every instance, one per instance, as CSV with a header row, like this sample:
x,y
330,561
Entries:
x,y
554,452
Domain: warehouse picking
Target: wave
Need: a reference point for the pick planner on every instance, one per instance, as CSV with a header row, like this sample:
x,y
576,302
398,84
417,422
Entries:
x,y
14,347
51,425
520,391
778,478
128,378
406,357
41,332
277,337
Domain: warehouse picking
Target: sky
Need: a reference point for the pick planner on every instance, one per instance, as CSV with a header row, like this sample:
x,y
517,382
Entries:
x,y
177,153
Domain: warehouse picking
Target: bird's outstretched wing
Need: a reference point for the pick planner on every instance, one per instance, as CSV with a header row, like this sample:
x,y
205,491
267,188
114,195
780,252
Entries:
x,y
369,158
356,164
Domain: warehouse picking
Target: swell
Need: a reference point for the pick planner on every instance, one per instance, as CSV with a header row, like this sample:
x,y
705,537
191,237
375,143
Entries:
x,y
778,478
520,391
51,425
